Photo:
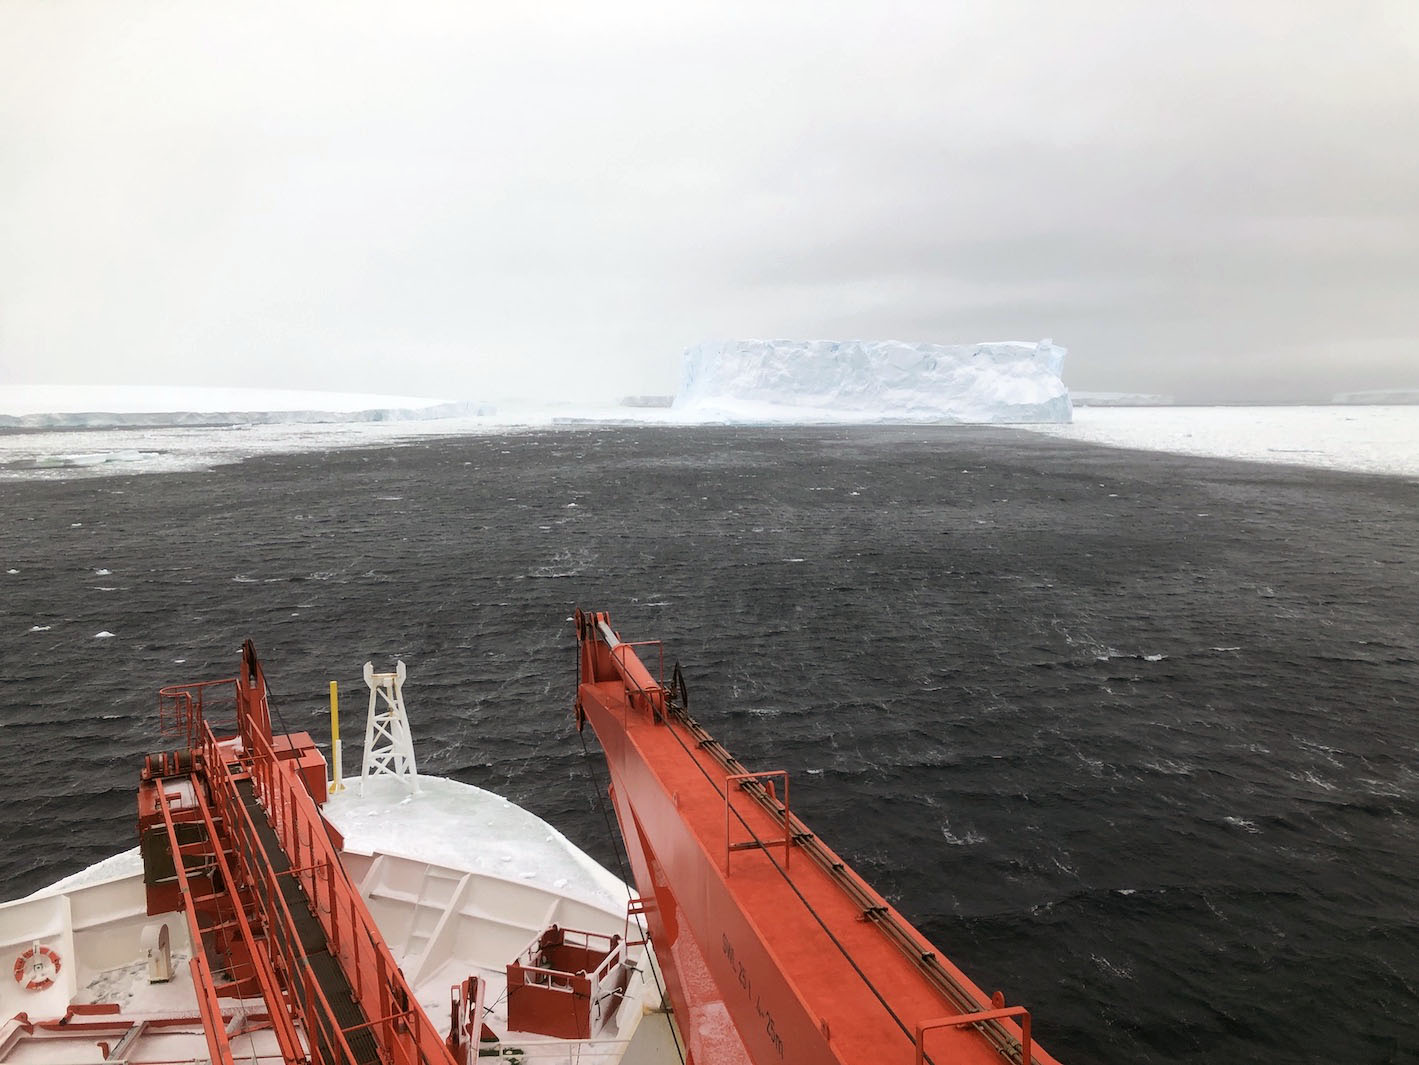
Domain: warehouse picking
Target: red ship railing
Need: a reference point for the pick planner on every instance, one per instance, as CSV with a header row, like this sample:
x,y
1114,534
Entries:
x,y
202,980
261,965
310,944
183,708
376,982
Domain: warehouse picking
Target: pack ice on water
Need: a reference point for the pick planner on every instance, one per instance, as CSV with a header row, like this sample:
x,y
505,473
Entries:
x,y
1006,382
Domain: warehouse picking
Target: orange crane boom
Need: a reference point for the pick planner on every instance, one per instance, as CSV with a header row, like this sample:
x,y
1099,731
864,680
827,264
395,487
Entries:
x,y
775,951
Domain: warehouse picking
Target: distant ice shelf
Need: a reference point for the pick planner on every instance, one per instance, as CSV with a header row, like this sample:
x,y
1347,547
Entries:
x,y
1119,399
1378,397
139,406
771,381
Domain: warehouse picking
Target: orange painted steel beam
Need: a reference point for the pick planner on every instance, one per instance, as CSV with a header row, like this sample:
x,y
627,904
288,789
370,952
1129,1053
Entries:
x,y
810,964
286,1036
202,980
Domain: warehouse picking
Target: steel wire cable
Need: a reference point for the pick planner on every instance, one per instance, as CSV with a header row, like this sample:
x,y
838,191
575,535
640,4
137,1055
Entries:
x,y
677,712
621,866
995,1033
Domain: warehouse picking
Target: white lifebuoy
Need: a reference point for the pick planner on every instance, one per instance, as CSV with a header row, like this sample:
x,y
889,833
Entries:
x,y
40,964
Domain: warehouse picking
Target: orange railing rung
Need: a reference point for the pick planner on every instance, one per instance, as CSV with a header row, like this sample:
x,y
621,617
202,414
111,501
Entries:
x,y
732,784
976,1018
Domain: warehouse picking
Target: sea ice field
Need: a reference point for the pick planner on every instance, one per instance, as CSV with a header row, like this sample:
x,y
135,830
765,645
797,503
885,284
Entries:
x,y
1368,439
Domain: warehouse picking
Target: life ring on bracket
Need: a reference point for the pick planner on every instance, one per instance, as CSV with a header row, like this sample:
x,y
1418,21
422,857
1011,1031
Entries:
x,y
42,962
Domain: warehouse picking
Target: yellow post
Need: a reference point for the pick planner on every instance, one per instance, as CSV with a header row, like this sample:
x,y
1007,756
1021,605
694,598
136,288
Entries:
x,y
335,736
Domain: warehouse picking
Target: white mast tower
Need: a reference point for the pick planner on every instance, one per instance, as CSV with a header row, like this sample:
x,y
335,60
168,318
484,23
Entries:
x,y
389,746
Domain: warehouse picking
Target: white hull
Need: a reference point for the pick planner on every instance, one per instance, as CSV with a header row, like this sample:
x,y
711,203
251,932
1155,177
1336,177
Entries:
x,y
459,881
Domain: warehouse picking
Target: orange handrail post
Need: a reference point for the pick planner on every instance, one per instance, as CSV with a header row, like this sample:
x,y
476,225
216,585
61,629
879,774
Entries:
x,y
731,784
976,1018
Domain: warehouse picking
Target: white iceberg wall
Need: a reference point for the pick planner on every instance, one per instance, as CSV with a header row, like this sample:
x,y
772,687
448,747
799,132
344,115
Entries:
x,y
857,380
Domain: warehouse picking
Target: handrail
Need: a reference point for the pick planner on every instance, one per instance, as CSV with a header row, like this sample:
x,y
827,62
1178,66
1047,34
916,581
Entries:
x,y
553,979
741,779
354,939
286,1036
904,936
976,1018
310,986
202,981
179,715
217,767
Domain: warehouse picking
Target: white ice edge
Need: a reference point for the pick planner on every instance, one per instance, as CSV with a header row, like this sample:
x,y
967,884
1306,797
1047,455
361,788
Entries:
x,y
1377,440
1372,439
26,400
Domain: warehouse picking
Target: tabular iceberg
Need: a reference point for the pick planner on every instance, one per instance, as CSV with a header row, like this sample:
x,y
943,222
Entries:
x,y
873,381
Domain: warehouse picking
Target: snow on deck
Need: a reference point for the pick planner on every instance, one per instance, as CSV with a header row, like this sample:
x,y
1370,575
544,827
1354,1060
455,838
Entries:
x,y
464,827
448,823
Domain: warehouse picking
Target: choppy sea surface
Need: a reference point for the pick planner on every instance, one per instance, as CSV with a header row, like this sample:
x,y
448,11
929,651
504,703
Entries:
x,y
1130,736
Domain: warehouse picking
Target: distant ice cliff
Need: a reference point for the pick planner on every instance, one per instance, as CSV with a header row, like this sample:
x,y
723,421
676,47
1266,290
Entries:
x,y
873,381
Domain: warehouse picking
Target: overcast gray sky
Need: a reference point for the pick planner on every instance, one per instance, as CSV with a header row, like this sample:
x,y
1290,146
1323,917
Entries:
x,y
1211,200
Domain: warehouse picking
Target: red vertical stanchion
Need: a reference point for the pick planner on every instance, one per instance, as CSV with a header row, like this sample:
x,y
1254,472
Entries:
x,y
335,946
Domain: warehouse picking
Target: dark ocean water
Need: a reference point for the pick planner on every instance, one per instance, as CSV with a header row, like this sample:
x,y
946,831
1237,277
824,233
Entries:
x,y
1131,736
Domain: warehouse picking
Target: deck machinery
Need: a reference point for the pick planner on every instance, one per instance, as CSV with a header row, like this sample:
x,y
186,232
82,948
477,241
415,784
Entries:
x,y
775,951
